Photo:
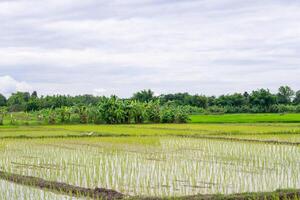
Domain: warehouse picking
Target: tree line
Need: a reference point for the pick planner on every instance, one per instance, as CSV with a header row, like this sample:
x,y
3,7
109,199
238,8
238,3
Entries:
x,y
257,101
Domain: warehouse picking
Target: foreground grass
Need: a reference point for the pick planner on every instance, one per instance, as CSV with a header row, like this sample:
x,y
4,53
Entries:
x,y
246,118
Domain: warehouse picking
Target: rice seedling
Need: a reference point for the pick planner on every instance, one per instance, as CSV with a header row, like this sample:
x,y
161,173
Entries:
x,y
156,166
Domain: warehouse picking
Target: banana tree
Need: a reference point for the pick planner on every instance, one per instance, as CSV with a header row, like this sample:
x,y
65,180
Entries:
x,y
3,112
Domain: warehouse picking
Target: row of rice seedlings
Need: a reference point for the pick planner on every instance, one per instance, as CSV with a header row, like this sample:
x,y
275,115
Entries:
x,y
171,167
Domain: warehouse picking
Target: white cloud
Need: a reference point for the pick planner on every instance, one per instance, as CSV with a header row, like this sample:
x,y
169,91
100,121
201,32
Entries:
x,y
99,91
9,85
209,46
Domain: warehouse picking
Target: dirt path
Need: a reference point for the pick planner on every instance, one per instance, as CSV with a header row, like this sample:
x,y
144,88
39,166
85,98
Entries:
x,y
62,188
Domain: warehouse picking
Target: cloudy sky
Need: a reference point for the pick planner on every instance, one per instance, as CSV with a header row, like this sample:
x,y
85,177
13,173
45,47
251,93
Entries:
x,y
120,46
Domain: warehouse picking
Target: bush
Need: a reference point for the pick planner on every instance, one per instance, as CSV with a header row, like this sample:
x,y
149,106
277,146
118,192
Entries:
x,y
181,116
280,108
75,119
1,119
192,110
167,115
216,110
153,112
298,109
172,114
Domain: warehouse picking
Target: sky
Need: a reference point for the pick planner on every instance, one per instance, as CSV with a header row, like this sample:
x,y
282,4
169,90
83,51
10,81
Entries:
x,y
105,47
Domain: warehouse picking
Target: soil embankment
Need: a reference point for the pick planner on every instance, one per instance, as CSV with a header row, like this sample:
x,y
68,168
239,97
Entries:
x,y
62,188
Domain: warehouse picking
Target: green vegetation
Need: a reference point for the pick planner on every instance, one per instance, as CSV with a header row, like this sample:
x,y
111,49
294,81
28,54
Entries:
x,y
108,111
246,118
290,131
257,101
152,160
142,148
155,166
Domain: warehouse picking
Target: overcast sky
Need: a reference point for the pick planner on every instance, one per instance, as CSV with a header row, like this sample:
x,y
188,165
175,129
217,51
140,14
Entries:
x,y
120,46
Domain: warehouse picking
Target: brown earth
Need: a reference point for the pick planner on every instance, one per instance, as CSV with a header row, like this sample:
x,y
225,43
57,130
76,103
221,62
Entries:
x,y
62,188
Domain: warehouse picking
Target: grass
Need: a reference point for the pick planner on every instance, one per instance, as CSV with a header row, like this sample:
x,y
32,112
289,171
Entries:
x,y
246,118
222,155
275,131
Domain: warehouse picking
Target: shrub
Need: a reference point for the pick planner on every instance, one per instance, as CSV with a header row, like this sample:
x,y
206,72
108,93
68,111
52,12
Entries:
x,y
216,110
298,109
153,111
181,116
167,115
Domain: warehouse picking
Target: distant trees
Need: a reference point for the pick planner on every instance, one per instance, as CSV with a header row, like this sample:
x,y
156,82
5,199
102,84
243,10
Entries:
x,y
185,99
2,100
144,96
297,98
146,103
235,99
2,114
18,101
285,95
262,99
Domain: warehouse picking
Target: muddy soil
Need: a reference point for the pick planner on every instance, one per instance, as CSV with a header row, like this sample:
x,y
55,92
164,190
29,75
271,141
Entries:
x,y
62,188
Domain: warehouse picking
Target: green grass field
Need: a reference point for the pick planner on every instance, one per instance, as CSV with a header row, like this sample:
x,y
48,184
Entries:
x,y
275,131
216,156
246,118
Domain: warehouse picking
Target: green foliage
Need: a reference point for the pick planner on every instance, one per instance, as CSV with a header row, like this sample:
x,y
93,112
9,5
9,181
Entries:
x,y
18,101
173,114
185,99
144,96
94,115
167,115
216,109
281,108
297,98
3,111
247,118
112,110
3,100
285,94
115,111
231,100
153,111
181,115
138,111
263,99
138,108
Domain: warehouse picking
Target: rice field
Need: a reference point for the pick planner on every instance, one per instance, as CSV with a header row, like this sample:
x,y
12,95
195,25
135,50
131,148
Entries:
x,y
10,191
162,161
247,118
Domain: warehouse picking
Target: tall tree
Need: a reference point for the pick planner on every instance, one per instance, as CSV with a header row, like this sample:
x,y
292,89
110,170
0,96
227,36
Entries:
x,y
263,99
297,98
2,100
34,94
18,101
285,95
144,96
